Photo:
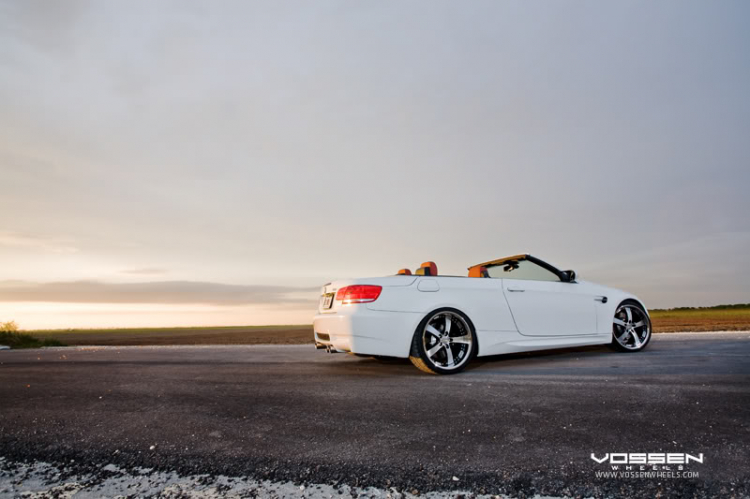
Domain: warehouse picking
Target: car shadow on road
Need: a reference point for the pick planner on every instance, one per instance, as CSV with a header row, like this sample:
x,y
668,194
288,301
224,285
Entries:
x,y
541,357
524,359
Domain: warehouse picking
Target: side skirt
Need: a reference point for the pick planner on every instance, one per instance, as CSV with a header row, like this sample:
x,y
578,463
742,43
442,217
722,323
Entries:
x,y
518,343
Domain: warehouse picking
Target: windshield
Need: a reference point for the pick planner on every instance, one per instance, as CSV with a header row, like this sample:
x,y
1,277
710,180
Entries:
x,y
523,269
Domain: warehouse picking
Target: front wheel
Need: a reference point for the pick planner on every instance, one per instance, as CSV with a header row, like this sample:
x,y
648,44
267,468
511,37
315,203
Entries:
x,y
631,327
443,343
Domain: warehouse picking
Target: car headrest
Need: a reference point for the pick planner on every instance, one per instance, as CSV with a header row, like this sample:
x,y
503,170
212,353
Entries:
x,y
478,271
427,268
404,272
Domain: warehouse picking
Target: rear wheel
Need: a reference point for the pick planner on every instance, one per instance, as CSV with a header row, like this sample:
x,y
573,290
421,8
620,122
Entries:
x,y
443,343
631,327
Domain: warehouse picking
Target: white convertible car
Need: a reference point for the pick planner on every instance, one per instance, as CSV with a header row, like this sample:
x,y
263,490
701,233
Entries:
x,y
514,304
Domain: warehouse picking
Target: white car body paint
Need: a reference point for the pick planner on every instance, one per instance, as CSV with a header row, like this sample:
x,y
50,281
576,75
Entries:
x,y
509,315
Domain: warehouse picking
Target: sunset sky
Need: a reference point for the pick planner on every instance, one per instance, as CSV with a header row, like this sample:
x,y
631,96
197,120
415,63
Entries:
x,y
214,163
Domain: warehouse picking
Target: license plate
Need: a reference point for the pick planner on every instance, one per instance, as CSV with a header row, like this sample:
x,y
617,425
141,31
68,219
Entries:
x,y
327,301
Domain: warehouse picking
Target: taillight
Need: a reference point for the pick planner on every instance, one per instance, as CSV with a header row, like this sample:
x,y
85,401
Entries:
x,y
359,293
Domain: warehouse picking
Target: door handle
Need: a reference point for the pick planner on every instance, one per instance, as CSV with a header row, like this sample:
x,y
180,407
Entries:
x,y
602,299
516,290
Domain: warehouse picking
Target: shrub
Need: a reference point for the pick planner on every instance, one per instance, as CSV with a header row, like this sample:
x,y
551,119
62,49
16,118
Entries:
x,y
8,327
10,336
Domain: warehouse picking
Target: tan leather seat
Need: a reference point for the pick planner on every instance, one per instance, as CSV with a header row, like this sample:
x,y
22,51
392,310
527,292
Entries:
x,y
404,272
478,271
427,268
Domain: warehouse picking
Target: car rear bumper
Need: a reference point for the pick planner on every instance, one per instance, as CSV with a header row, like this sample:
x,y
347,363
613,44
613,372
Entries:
x,y
357,329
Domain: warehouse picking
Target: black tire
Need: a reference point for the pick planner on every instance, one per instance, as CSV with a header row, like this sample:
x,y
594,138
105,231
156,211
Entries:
x,y
628,315
461,352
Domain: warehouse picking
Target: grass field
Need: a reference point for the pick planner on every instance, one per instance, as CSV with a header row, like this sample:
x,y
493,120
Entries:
x,y
235,335
720,318
725,318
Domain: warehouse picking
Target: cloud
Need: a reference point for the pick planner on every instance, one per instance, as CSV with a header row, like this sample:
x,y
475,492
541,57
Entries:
x,y
145,271
252,142
31,241
164,292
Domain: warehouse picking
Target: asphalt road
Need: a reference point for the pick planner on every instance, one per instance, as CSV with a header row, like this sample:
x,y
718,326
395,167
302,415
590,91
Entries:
x,y
521,424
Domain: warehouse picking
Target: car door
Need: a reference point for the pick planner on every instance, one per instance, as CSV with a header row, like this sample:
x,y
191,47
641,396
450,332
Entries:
x,y
543,305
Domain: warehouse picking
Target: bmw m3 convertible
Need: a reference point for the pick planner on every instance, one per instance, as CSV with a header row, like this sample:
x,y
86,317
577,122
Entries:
x,y
514,304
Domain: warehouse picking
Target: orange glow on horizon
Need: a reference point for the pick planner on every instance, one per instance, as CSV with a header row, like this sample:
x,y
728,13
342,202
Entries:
x,y
53,315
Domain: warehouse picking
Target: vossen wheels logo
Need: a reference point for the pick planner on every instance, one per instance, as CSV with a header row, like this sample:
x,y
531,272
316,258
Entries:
x,y
648,458
647,464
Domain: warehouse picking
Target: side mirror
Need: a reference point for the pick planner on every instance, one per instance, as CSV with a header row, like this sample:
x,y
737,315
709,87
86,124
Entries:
x,y
571,275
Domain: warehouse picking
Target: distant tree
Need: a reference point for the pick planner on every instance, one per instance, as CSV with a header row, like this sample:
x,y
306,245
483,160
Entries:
x,y
8,327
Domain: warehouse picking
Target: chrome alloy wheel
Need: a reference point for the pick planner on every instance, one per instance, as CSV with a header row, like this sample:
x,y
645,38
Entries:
x,y
447,340
632,327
